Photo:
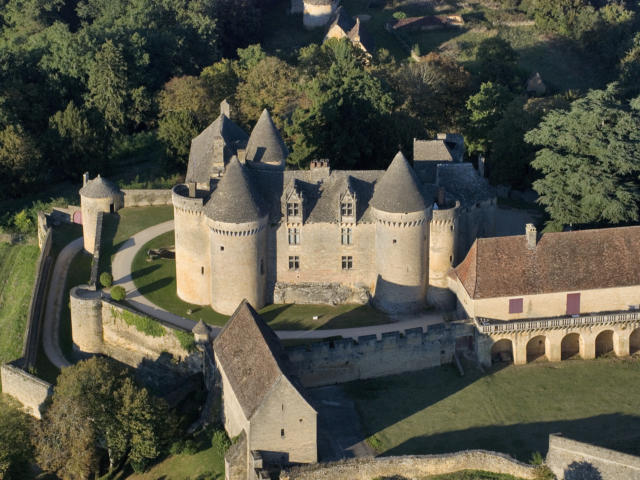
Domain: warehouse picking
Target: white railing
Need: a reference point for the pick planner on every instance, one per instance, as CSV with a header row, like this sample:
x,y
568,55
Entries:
x,y
488,325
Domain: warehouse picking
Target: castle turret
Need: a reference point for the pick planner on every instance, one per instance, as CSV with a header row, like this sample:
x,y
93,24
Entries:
x,y
238,240
401,239
86,319
265,148
443,232
97,195
317,13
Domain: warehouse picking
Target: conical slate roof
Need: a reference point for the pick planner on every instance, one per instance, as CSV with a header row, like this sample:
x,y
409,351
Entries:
x,y
265,143
235,199
398,190
99,188
200,328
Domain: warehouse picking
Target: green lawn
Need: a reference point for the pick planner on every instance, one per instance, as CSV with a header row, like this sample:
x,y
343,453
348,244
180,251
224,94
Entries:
x,y
17,274
205,465
510,410
156,280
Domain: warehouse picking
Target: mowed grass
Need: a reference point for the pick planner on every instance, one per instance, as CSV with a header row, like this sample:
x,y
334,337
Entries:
x,y
205,465
17,274
510,410
156,280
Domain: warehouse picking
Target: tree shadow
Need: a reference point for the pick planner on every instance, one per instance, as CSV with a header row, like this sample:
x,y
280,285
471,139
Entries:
x,y
582,471
154,286
144,271
109,228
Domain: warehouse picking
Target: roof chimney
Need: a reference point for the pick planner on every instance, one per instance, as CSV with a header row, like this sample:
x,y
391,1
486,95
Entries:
x,y
85,178
532,236
225,108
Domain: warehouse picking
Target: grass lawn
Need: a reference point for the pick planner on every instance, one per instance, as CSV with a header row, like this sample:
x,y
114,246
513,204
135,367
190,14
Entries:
x,y
510,410
17,274
205,465
156,280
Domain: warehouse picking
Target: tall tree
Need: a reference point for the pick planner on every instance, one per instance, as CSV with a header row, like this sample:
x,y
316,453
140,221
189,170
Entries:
x,y
16,450
497,62
485,109
20,160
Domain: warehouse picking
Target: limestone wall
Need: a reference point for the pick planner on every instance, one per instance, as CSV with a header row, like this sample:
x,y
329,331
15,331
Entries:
x,y
346,360
443,233
317,15
412,466
29,390
90,209
145,197
86,319
572,460
314,293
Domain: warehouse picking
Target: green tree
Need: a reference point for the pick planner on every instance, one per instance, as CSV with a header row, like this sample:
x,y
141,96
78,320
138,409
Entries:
x,y
485,109
497,62
20,160
16,450
589,160
220,80
630,70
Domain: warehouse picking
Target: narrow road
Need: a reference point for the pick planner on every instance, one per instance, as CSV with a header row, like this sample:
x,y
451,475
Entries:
x,y
51,323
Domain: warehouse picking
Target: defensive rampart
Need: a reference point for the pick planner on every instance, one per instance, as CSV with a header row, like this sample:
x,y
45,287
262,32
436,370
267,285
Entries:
x,y
346,360
412,467
572,460
145,197
29,390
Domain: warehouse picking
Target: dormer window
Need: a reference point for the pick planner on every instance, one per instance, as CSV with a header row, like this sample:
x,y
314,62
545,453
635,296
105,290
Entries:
x,y
346,209
293,209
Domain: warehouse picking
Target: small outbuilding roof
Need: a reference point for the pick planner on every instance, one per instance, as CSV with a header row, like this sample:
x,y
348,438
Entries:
x,y
200,328
398,190
265,143
99,188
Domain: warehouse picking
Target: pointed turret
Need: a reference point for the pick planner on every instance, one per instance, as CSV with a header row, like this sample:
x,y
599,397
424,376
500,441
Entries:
x,y
265,146
398,190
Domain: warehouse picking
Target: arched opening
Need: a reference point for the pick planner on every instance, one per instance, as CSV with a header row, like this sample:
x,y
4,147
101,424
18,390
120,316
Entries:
x,y
570,346
502,351
604,343
536,348
634,341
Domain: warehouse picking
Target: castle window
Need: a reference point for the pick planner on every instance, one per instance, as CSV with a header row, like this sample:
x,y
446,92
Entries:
x,y
221,248
294,236
202,270
293,209
347,262
346,209
282,432
347,238
395,241
515,305
294,263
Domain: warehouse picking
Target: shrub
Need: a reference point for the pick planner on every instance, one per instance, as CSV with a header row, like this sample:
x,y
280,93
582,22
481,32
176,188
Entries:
x,y
183,447
399,15
118,293
143,324
23,222
220,442
106,279
186,340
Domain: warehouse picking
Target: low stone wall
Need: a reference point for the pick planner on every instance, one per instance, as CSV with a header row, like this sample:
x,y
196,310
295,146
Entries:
x,y
346,360
145,197
572,460
29,390
327,293
412,466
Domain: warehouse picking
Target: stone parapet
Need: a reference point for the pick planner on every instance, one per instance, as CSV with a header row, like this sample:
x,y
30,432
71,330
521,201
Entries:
x,y
181,200
146,197
28,389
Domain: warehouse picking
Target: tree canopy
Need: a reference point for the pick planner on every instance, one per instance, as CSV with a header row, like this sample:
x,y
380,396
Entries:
x,y
16,450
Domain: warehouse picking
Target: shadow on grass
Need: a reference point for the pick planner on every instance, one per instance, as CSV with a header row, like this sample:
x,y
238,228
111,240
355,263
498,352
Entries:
x,y
144,271
364,315
153,286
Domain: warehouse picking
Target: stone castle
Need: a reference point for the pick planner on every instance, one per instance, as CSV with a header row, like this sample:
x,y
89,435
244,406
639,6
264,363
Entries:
x,y
246,228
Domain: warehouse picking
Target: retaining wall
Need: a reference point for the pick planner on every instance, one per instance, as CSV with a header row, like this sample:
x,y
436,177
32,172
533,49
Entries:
x,y
29,390
346,360
572,460
324,293
145,197
412,466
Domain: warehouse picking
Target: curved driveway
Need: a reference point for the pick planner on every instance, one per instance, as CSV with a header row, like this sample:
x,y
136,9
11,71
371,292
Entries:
x,y
121,270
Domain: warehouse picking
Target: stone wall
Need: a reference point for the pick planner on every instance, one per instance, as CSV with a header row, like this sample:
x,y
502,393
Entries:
x,y
314,293
572,460
346,360
412,467
29,390
145,197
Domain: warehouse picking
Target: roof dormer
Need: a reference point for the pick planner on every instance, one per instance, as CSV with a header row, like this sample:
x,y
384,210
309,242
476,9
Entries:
x,y
348,204
294,204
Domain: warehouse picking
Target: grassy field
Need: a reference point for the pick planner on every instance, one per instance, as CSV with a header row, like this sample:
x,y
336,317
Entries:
x,y
511,410
17,274
156,280
205,465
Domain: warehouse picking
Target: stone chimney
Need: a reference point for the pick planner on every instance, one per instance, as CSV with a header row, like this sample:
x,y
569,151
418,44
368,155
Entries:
x,y
192,189
225,108
242,155
85,178
532,236
317,164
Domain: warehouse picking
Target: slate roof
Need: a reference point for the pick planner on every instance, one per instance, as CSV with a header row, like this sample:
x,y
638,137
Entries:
x,y
561,262
398,190
343,20
200,328
251,357
265,143
99,188
201,162
463,181
235,199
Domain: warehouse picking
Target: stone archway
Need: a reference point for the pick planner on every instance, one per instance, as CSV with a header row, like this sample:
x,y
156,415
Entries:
x,y
536,348
634,341
570,346
604,343
502,351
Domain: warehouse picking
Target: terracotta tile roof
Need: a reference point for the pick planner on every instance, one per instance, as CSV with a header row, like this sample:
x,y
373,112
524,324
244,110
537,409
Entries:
x,y
560,262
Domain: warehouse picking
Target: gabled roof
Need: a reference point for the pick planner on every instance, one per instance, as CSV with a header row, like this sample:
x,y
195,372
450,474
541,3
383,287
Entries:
x,y
398,190
560,262
265,144
343,20
235,199
99,188
201,161
432,150
360,34
251,357
464,182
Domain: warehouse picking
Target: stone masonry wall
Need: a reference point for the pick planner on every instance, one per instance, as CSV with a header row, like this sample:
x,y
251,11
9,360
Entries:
x,y
345,360
327,293
572,460
145,197
412,466
29,390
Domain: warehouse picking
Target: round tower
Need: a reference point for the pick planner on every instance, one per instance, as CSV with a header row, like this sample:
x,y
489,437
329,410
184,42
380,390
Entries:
x,y
401,239
237,225
317,13
443,232
265,148
97,195
193,263
86,319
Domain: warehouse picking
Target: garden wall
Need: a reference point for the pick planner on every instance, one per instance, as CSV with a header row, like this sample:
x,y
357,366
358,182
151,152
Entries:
x,y
412,466
145,197
29,390
346,360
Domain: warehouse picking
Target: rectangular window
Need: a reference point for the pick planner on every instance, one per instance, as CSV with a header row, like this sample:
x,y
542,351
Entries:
x,y
294,263
282,432
346,209
346,236
573,303
294,236
293,209
347,262
515,305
